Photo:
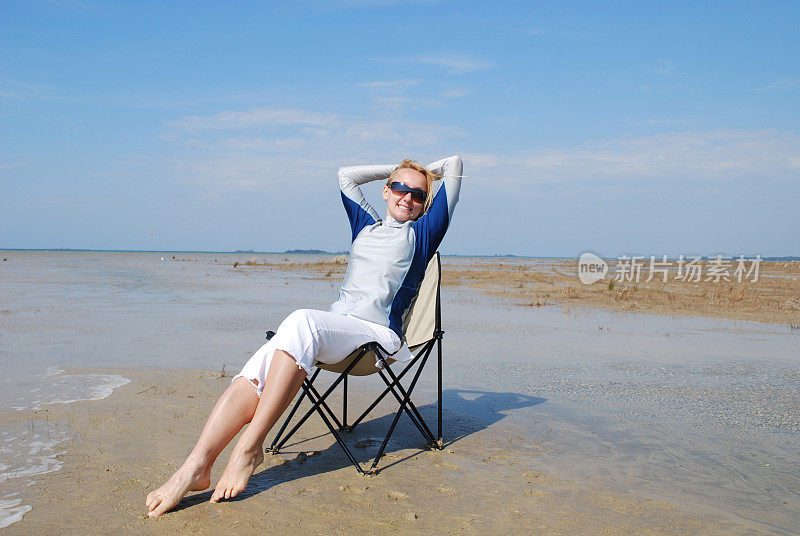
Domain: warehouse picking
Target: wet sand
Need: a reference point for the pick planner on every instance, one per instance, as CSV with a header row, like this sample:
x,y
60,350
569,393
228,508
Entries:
x,y
482,482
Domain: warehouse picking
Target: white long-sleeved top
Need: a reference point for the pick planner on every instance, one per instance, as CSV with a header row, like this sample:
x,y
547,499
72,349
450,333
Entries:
x,y
388,258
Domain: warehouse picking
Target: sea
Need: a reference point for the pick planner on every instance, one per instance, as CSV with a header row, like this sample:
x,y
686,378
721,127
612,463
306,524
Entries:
x,y
702,413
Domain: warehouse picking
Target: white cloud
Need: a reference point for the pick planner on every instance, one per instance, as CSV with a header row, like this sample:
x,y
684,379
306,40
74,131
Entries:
x,y
16,90
662,122
255,118
456,93
355,4
452,63
392,96
391,86
221,151
8,166
455,64
780,85
665,67
398,104
71,5
683,158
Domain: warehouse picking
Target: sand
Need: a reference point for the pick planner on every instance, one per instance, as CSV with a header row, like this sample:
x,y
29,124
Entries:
x,y
480,483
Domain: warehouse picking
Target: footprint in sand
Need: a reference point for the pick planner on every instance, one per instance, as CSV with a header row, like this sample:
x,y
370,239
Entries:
x,y
499,458
347,488
536,492
367,442
446,490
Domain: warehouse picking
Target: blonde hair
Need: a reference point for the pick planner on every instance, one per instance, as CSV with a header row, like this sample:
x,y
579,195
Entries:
x,y
430,176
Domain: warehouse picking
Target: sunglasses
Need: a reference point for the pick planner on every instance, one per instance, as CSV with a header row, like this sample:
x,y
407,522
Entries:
x,y
401,189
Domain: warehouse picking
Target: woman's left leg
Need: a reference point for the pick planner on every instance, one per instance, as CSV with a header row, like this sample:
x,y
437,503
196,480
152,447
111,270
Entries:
x,y
283,381
237,406
233,410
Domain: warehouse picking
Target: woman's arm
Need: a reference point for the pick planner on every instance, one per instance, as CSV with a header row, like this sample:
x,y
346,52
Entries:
x,y
432,226
451,170
358,209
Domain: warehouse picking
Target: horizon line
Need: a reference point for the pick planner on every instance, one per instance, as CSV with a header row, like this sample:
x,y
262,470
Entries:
x,y
789,258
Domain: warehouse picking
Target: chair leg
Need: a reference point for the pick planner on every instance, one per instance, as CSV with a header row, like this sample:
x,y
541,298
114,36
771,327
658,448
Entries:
x,y
309,388
422,354
318,404
411,410
440,441
344,426
383,394
403,403
386,439
337,437
321,403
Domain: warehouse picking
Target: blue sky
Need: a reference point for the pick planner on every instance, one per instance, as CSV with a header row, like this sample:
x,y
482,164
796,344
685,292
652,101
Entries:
x,y
631,128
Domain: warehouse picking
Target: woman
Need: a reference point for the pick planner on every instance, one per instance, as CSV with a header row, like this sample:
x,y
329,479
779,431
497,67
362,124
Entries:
x,y
387,263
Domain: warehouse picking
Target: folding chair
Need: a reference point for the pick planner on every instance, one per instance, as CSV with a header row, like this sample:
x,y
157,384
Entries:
x,y
422,330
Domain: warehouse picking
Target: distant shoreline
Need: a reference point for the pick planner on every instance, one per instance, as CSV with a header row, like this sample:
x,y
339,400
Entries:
x,y
785,258
254,252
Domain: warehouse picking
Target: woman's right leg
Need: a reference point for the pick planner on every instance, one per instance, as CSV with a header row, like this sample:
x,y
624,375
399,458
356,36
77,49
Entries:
x,y
233,410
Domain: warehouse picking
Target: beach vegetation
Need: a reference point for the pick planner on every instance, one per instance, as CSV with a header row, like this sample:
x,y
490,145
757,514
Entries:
x,y
571,292
771,299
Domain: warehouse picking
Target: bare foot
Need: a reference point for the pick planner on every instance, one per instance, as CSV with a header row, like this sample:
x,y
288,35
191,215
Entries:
x,y
239,470
190,477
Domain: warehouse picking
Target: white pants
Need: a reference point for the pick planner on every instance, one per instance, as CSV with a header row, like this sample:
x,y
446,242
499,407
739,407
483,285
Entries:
x,y
311,336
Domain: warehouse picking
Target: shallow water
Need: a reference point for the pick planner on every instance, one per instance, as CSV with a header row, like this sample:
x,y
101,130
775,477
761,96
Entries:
x,y
704,413
90,310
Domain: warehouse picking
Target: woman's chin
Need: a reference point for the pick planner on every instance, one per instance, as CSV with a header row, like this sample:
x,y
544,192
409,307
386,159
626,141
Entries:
x,y
404,217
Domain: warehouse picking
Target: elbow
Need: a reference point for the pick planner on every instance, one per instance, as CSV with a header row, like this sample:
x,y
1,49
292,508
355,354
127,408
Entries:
x,y
457,164
343,177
